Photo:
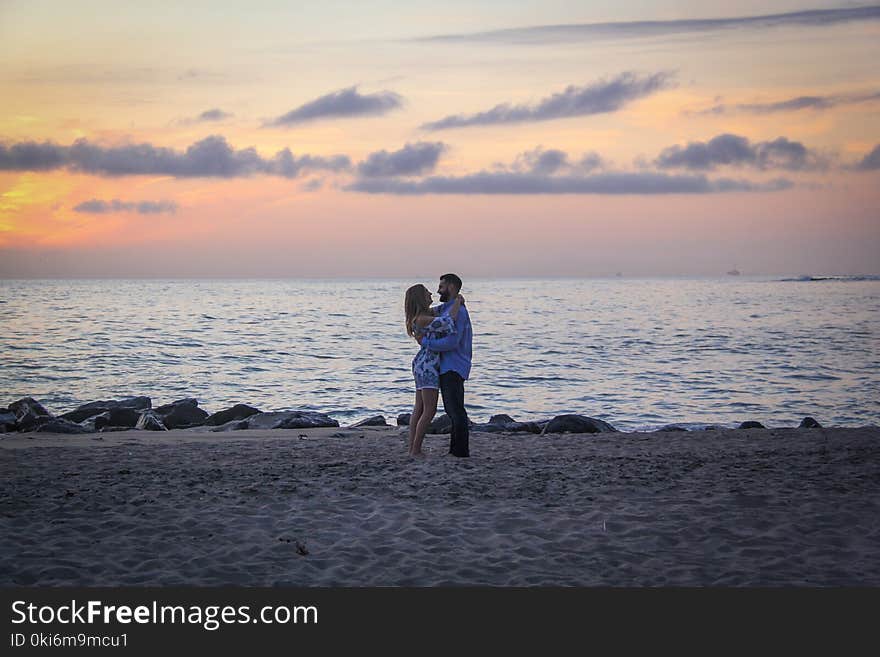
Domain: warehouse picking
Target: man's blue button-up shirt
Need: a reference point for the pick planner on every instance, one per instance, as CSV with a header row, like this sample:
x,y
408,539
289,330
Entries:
x,y
455,349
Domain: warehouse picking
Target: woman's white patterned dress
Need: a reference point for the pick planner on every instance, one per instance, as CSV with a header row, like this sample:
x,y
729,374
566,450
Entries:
x,y
426,364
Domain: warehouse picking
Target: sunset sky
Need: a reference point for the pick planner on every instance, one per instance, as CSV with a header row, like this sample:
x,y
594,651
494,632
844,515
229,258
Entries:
x,y
514,138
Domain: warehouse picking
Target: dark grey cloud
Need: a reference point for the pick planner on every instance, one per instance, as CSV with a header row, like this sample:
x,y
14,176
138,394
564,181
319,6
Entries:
x,y
32,156
341,104
96,206
597,98
552,161
782,153
591,161
871,162
208,116
530,183
313,185
411,160
575,32
210,157
541,161
734,150
213,115
793,104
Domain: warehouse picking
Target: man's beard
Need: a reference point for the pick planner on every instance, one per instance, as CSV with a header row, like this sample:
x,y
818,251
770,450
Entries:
x,y
444,297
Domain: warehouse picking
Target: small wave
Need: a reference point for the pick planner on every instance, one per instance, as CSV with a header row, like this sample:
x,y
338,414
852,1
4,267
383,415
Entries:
x,y
813,377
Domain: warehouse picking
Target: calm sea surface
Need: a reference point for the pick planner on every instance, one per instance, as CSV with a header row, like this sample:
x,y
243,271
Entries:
x,y
639,353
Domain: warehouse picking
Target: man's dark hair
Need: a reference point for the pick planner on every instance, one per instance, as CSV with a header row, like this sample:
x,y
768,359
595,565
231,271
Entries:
x,y
452,278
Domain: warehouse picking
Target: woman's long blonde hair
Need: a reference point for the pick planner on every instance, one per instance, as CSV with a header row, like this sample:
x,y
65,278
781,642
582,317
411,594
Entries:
x,y
414,304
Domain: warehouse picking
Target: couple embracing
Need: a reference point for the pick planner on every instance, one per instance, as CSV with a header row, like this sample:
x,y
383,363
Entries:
x,y
443,362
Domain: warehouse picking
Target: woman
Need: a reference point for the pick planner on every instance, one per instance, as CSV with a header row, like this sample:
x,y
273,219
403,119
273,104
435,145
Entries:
x,y
420,322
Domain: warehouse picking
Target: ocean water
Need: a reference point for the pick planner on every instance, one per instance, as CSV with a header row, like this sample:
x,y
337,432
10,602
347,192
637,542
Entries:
x,y
638,353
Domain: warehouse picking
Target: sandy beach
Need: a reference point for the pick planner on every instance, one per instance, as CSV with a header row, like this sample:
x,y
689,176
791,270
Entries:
x,y
346,507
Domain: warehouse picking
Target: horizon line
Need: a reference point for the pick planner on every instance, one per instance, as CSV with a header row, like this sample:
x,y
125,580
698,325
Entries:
x,y
350,277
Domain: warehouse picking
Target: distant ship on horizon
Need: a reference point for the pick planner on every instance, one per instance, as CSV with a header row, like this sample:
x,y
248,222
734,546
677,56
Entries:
x,y
733,272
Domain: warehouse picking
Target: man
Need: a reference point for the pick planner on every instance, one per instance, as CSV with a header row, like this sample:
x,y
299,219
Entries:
x,y
455,365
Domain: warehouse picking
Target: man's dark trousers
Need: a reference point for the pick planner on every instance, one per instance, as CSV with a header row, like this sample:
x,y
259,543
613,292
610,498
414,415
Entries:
x,y
452,389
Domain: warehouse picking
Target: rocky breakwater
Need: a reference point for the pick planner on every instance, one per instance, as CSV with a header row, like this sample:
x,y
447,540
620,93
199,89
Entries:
x,y
568,423
29,415
506,424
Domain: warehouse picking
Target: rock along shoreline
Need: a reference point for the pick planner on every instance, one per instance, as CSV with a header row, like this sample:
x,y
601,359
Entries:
x,y
28,415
